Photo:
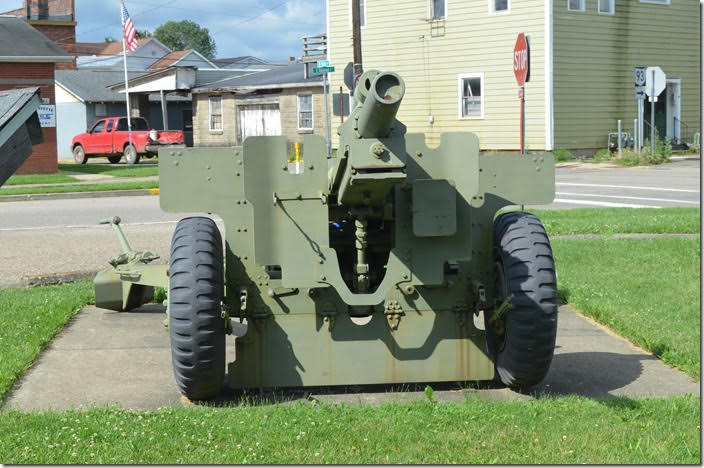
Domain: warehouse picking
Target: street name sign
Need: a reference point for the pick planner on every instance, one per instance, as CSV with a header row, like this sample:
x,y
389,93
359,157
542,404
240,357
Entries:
x,y
324,70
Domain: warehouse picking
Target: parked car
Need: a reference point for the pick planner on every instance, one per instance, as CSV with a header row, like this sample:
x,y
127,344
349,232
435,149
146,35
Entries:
x,y
109,137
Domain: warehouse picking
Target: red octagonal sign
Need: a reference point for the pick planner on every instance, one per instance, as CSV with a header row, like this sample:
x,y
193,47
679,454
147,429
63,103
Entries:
x,y
521,60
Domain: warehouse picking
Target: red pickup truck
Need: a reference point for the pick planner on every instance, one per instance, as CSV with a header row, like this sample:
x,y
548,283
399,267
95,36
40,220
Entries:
x,y
109,137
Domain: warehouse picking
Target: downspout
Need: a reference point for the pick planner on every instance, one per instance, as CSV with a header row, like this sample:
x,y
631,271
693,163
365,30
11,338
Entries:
x,y
549,74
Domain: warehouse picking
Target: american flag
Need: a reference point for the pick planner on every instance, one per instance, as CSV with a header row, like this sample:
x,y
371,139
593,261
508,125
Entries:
x,y
130,32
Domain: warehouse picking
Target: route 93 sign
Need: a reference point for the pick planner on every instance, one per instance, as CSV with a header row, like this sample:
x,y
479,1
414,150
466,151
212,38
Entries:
x,y
47,115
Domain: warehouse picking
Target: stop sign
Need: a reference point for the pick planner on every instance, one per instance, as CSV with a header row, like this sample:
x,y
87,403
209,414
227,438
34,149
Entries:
x,y
521,60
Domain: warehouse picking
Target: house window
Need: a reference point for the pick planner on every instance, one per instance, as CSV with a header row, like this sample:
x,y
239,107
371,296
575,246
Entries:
x,y
471,95
575,5
215,113
101,109
437,9
606,7
305,112
362,13
499,6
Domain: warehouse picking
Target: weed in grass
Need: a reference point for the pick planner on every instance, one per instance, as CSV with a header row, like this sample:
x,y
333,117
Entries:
x,y
602,155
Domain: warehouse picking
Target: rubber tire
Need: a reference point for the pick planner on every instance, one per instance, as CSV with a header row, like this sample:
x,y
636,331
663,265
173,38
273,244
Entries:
x,y
114,159
522,247
196,289
79,155
131,158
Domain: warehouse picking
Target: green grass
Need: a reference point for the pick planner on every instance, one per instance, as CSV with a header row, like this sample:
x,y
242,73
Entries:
x,y
30,318
560,431
645,289
140,170
620,220
29,179
147,184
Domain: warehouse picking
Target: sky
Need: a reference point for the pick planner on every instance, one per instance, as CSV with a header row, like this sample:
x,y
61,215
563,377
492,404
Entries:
x,y
268,29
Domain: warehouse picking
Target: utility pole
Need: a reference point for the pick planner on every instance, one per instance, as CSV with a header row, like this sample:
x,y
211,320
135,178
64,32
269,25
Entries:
x,y
356,41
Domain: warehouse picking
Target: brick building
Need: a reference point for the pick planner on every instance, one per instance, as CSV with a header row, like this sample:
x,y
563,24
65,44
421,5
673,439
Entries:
x,y
28,58
56,19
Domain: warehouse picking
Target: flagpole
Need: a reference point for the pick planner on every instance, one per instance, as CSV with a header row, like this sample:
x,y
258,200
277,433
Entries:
x,y
127,84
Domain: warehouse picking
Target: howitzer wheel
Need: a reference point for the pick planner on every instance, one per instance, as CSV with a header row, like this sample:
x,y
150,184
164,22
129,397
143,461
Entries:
x,y
521,339
196,325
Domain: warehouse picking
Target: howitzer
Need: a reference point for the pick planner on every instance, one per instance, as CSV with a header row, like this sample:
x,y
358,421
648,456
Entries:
x,y
384,264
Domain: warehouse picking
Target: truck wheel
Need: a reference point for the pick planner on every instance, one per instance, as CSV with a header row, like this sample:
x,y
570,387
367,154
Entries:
x,y
522,340
131,155
114,159
79,155
196,326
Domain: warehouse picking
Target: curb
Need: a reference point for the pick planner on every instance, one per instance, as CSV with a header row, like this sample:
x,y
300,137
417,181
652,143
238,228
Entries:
x,y
75,195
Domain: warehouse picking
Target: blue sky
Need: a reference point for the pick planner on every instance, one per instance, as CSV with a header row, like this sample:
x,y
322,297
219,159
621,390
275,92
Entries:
x,y
270,29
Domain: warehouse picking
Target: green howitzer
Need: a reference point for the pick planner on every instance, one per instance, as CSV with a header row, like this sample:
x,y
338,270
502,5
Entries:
x,y
384,264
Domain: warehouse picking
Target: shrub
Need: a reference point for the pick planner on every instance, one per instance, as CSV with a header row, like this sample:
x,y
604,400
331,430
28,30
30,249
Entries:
x,y
562,155
602,155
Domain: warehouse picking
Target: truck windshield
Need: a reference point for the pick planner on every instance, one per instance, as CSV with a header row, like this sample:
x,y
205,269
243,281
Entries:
x,y
138,123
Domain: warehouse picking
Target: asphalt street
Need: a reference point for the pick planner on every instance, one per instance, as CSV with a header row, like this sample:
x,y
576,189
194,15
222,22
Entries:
x,y
56,236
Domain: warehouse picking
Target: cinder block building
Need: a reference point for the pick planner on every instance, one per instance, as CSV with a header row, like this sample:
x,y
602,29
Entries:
x,y
28,58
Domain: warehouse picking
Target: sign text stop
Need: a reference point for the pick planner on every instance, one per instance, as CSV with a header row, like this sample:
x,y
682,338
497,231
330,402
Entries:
x,y
521,60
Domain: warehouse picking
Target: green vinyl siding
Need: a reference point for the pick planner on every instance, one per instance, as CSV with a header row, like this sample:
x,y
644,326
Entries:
x,y
594,57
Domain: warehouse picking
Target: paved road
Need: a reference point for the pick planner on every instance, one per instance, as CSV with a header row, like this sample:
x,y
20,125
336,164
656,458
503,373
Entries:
x,y
125,359
54,236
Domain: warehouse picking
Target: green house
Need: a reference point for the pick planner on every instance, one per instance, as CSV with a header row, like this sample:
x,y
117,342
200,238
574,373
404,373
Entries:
x,y
457,59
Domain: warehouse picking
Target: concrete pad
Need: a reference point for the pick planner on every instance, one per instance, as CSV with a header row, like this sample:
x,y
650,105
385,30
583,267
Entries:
x,y
104,357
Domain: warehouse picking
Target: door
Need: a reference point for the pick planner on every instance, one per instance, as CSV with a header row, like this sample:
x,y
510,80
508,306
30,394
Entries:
x,y
258,120
674,124
660,116
94,142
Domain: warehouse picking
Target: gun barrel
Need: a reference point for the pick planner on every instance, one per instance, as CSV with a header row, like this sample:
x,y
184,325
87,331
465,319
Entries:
x,y
381,105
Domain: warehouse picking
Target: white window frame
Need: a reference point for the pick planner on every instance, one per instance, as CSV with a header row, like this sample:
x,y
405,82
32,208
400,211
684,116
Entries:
x,y
463,76
362,17
298,113
430,12
612,8
657,2
492,6
581,2
210,114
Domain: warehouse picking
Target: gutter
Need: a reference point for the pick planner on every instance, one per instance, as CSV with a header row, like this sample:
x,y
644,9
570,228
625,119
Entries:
x,y
36,58
206,89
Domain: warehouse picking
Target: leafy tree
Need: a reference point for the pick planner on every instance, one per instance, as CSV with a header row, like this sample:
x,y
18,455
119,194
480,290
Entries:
x,y
182,35
109,39
141,34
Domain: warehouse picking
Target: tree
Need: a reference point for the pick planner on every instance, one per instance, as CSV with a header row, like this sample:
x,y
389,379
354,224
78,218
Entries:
x,y
183,35
140,34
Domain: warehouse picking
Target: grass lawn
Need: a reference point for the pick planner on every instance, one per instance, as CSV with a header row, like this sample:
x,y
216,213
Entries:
x,y
139,170
27,179
30,318
620,220
560,431
147,184
645,289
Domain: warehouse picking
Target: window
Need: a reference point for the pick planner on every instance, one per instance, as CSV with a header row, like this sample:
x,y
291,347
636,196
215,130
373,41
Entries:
x,y
101,109
499,6
437,9
110,125
362,13
662,2
98,127
471,92
215,113
138,123
305,111
575,5
606,7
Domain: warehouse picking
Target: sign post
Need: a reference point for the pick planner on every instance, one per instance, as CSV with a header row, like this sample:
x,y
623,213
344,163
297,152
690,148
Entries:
x,y
639,82
521,69
323,66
